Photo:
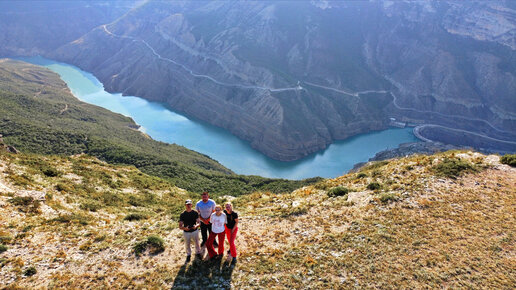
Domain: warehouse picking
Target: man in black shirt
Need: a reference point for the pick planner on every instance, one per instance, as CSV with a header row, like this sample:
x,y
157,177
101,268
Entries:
x,y
189,223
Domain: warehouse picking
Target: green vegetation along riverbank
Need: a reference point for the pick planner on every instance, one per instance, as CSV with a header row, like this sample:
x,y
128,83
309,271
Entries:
x,y
40,115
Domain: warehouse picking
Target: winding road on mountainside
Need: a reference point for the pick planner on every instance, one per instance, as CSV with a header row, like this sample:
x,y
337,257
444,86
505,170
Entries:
x,y
299,87
419,128
191,72
395,103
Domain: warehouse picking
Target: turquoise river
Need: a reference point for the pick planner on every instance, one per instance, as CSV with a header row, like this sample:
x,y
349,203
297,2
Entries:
x,y
163,124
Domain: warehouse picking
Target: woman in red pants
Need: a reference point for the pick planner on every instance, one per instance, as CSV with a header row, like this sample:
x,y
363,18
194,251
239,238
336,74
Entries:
x,y
218,220
231,229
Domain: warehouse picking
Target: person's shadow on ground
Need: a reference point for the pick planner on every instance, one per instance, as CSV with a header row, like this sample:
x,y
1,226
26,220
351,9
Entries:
x,y
213,274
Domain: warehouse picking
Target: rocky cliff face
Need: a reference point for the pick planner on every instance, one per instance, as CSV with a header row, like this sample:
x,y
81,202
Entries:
x,y
454,59
291,77
247,76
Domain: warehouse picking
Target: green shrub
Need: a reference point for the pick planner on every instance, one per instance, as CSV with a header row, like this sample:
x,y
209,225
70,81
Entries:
x,y
134,217
26,204
5,239
509,159
109,198
321,185
3,248
154,244
375,165
90,206
71,218
361,175
140,247
30,271
62,187
27,228
376,173
374,186
50,171
295,211
21,200
99,238
135,201
386,197
452,168
338,191
23,180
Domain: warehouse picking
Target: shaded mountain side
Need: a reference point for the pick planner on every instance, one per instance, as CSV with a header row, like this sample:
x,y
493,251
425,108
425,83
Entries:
x,y
451,63
37,27
291,77
40,115
236,74
444,220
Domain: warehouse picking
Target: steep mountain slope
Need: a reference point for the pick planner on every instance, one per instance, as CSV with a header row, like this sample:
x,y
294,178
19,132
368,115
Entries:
x,y
40,115
291,77
416,228
452,63
202,60
37,27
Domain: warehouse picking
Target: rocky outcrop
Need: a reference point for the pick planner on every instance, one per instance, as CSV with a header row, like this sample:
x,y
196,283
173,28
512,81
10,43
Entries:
x,y
408,149
8,148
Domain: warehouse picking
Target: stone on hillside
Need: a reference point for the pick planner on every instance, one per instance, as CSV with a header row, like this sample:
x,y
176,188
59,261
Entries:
x,y
360,199
11,149
36,195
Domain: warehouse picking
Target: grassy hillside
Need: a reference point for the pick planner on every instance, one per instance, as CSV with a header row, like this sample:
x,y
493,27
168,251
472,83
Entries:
x,y
424,221
40,115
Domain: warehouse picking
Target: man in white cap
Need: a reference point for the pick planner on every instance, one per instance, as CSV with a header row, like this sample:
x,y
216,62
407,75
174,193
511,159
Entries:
x,y
189,223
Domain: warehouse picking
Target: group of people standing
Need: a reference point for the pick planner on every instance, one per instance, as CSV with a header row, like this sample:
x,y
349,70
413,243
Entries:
x,y
214,223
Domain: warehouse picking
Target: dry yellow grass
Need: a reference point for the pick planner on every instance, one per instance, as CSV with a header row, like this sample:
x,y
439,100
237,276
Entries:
x,y
417,230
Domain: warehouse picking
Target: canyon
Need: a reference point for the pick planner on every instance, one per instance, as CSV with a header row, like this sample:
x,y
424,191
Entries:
x,y
292,77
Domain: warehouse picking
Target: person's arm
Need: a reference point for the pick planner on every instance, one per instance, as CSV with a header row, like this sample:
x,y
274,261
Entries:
x,y
181,225
197,222
235,226
205,221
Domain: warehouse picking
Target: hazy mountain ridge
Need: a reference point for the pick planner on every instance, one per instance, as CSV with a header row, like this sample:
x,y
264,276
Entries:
x,y
235,63
39,27
238,65
246,96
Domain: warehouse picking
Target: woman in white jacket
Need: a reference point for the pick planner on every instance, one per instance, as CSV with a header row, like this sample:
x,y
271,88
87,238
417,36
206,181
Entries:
x,y
218,221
